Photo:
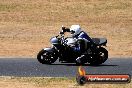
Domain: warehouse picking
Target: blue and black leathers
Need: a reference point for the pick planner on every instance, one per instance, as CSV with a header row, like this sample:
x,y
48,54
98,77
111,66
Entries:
x,y
85,38
80,46
84,35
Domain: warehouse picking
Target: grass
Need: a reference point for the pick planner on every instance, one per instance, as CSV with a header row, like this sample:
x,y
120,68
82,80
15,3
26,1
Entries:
x,y
27,25
43,82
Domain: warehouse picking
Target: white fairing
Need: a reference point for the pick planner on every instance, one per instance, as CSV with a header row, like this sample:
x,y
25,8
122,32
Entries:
x,y
71,41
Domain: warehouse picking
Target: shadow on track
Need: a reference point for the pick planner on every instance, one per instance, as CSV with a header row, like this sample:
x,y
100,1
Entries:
x,y
72,64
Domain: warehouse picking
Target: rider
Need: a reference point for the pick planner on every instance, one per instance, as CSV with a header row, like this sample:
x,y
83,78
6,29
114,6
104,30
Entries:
x,y
77,33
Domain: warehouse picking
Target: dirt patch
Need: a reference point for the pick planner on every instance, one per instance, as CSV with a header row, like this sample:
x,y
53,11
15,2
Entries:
x,y
26,26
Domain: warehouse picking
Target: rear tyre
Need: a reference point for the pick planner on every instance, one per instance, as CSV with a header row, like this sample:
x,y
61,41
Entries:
x,y
46,57
100,58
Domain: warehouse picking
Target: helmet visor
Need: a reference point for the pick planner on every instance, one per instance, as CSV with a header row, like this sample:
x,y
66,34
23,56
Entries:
x,y
72,32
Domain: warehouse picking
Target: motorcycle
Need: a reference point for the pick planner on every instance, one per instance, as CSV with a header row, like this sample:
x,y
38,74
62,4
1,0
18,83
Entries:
x,y
61,49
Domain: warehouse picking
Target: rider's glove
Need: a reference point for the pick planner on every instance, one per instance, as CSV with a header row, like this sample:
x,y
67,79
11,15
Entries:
x,y
61,32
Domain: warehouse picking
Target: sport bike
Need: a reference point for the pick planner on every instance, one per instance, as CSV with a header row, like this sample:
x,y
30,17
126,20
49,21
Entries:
x,y
62,49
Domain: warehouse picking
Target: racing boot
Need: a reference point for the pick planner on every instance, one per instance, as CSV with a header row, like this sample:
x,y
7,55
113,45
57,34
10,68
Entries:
x,y
80,60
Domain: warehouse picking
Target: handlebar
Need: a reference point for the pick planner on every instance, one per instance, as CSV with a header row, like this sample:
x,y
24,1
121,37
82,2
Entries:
x,y
61,34
62,39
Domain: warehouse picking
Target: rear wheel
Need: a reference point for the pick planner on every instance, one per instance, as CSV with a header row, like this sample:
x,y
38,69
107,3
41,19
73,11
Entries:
x,y
46,57
100,58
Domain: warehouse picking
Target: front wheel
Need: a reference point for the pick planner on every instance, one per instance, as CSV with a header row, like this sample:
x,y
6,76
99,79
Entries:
x,y
46,57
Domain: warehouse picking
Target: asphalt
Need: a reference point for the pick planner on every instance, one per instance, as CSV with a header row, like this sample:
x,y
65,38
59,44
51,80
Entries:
x,y
30,67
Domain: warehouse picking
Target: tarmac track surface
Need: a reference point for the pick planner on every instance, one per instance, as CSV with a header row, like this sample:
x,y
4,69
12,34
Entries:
x,y
30,67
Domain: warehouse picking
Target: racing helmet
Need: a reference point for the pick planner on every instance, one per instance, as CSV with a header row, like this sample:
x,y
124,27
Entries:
x,y
75,30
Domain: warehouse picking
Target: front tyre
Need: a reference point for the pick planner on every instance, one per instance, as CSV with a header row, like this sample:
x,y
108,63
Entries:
x,y
46,57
